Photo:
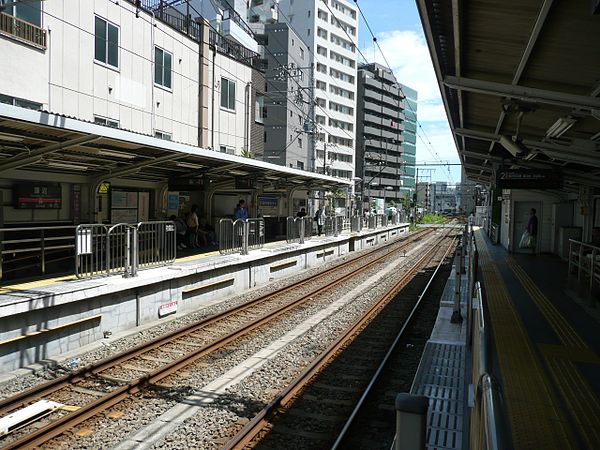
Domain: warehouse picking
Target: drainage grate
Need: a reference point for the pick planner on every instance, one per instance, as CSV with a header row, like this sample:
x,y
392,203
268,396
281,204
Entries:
x,y
441,378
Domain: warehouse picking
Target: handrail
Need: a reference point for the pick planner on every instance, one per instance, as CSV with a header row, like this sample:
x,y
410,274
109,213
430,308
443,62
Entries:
x,y
21,241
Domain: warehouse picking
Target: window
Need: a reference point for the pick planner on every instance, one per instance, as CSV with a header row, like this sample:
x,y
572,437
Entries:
x,y
259,109
107,43
106,122
302,53
308,32
227,94
20,102
321,85
322,33
300,142
309,13
162,67
300,165
225,149
322,15
162,135
30,11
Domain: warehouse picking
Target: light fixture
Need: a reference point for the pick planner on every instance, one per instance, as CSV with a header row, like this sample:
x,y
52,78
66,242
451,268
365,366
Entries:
x,y
62,165
188,165
271,178
239,173
514,148
10,137
116,154
560,127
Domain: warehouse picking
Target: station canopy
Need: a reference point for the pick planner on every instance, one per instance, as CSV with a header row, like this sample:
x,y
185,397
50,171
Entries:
x,y
520,82
44,142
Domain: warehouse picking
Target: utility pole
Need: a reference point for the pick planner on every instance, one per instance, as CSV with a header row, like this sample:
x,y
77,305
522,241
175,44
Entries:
x,y
312,129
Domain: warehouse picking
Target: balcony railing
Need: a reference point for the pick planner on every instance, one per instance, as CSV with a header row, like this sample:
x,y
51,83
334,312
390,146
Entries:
x,y
22,31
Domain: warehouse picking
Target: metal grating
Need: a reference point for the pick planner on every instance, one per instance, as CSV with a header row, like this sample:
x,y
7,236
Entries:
x,y
441,378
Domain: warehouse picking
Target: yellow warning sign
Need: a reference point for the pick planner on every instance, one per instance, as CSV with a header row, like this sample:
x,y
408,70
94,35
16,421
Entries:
x,y
103,188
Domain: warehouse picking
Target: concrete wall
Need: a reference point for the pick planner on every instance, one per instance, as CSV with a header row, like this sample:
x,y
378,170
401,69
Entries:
x,y
231,127
122,304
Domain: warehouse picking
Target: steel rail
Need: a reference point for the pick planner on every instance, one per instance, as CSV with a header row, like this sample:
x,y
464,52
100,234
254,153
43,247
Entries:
x,y
387,356
74,418
9,404
261,420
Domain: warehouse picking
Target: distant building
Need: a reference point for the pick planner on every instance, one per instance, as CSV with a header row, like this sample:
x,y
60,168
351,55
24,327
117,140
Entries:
x,y
409,145
286,97
380,127
329,30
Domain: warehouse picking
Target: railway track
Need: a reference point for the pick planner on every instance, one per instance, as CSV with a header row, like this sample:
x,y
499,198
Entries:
x,y
100,386
320,402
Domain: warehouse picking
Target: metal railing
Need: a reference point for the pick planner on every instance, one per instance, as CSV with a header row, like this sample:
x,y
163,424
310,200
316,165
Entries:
x,y
157,243
298,229
22,31
356,223
487,430
121,254
90,250
123,248
256,234
241,236
34,247
585,260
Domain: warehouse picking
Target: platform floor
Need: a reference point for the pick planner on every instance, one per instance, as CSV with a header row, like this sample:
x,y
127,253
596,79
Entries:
x,y
547,347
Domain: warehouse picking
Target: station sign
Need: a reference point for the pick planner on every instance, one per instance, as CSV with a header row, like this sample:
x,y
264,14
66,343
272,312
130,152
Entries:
x,y
187,184
37,196
245,183
528,179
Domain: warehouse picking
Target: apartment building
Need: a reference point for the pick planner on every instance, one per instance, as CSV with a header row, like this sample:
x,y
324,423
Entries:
x,y
380,135
409,145
330,30
286,100
102,62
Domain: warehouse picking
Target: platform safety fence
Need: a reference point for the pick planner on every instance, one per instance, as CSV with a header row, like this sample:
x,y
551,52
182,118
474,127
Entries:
x,y
33,249
123,248
487,428
584,262
241,235
299,229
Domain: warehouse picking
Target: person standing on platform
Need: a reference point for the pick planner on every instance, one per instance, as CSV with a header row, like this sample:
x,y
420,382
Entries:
x,y
532,228
192,224
320,219
301,213
241,212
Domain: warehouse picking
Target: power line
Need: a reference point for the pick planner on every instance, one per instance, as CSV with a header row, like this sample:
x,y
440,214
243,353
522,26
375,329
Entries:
x,y
427,143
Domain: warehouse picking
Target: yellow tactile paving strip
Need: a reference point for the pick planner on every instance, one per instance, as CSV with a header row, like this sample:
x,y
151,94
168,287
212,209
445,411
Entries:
x,y
575,390
50,281
533,411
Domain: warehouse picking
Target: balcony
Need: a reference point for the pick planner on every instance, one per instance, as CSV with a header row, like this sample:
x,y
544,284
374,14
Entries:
x,y
235,28
22,31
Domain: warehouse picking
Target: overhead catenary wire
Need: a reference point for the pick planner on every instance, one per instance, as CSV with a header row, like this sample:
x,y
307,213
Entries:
x,y
427,143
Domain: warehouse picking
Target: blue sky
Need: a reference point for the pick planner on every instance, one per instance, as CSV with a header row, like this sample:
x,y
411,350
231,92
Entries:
x,y
397,25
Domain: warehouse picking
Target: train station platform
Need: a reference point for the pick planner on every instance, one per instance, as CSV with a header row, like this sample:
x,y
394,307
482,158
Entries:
x,y
546,349
42,320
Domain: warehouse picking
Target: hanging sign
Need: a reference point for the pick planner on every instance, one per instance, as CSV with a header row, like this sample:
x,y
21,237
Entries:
x,y
528,179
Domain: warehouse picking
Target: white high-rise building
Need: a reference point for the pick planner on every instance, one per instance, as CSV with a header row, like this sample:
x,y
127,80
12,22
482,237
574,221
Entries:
x,y
330,30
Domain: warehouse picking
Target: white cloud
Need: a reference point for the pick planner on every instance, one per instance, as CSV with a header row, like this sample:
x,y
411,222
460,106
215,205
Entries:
x,y
408,56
